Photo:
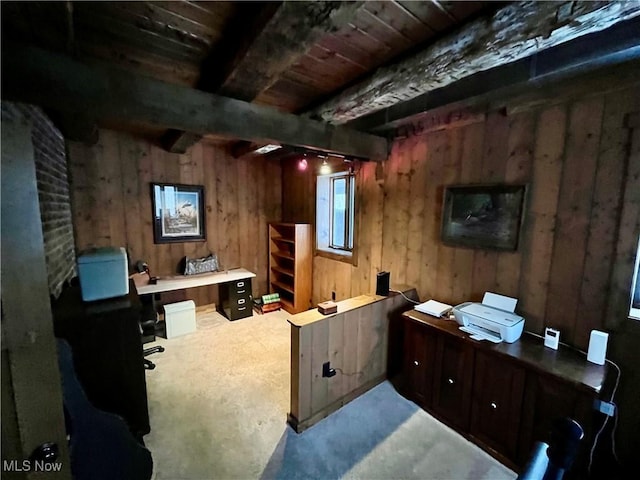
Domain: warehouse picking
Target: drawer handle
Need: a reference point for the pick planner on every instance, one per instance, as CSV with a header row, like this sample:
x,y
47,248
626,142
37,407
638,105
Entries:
x,y
451,381
241,301
415,362
240,284
242,308
241,291
494,405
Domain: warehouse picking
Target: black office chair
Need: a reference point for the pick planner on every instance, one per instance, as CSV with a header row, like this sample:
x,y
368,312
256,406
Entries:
x,y
149,327
550,461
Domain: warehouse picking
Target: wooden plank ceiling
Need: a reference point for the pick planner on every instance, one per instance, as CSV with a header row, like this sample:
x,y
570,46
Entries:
x,y
315,58
183,41
171,40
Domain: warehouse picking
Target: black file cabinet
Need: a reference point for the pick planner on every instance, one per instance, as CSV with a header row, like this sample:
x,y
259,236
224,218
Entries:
x,y
236,299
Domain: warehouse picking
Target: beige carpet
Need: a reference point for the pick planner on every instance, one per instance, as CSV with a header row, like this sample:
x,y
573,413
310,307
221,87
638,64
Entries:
x,y
218,400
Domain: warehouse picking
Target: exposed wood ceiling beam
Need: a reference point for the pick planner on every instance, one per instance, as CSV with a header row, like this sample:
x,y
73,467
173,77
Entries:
x,y
58,82
294,28
615,45
240,33
514,32
282,39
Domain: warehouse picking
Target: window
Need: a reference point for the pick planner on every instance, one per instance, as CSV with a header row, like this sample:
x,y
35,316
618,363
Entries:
x,y
335,214
634,309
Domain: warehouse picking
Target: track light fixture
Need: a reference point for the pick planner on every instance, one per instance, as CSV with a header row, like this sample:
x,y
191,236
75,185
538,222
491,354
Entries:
x,y
325,168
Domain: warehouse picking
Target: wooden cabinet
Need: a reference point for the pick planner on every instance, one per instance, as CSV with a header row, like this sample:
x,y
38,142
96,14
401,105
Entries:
x,y
452,381
547,398
290,264
504,397
417,364
496,403
104,337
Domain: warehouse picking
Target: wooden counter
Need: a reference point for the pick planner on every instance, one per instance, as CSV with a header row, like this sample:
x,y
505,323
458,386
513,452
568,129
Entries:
x,y
354,340
565,363
310,316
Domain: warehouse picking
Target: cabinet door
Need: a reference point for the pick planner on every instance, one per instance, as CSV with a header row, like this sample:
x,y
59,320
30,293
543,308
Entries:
x,y
452,382
498,388
546,400
418,363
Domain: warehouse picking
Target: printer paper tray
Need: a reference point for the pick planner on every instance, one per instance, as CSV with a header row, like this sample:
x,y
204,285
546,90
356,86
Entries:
x,y
480,334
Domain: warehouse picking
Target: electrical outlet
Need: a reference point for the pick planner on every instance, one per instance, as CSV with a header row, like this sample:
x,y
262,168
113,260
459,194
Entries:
x,y
607,408
327,371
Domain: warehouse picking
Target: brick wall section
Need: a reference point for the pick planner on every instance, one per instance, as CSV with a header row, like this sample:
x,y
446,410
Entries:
x,y
53,193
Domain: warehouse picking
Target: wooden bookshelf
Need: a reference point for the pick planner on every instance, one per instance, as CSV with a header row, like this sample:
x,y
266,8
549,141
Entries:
x,y
290,264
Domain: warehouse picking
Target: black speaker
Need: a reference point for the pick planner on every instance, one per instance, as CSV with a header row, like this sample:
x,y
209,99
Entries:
x,y
382,284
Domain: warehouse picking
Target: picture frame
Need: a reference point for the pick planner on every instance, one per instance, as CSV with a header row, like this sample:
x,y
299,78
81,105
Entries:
x,y
483,216
178,213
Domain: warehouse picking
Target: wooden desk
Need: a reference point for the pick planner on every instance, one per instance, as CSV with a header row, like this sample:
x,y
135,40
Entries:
x,y
180,282
234,287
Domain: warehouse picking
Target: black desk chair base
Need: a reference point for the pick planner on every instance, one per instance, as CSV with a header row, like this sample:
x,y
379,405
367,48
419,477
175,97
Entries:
x,y
148,364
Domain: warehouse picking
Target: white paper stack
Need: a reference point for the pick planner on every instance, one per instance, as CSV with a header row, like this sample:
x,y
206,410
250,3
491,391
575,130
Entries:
x,y
433,307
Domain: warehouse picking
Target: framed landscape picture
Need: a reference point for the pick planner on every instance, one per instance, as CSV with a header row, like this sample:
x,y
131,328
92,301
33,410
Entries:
x,y
178,212
482,216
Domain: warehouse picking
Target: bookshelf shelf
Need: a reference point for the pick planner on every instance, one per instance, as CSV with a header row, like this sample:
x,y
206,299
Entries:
x,y
283,286
286,255
283,271
290,264
283,239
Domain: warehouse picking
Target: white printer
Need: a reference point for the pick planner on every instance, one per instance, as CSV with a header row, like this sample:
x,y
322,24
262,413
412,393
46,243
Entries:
x,y
492,320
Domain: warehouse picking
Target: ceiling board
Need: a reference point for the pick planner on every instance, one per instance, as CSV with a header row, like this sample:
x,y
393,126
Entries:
x,y
137,59
165,21
334,60
213,14
400,20
432,16
108,22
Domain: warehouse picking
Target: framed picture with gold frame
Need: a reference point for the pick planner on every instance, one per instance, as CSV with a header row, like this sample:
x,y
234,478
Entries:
x,y
483,216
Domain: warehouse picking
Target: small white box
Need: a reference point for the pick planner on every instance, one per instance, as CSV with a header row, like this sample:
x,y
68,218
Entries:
x,y
551,338
180,318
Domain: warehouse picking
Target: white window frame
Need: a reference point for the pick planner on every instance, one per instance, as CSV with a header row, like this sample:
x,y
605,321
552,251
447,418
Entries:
x,y
635,284
324,216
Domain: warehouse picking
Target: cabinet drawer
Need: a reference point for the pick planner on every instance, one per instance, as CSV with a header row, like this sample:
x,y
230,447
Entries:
x,y
547,399
240,289
235,311
496,406
452,382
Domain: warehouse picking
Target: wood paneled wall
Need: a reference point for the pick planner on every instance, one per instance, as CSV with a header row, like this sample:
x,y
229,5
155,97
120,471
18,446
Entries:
x,y
354,341
573,154
111,200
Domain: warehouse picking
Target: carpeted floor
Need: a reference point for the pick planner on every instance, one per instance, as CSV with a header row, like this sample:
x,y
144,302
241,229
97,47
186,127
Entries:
x,y
218,400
